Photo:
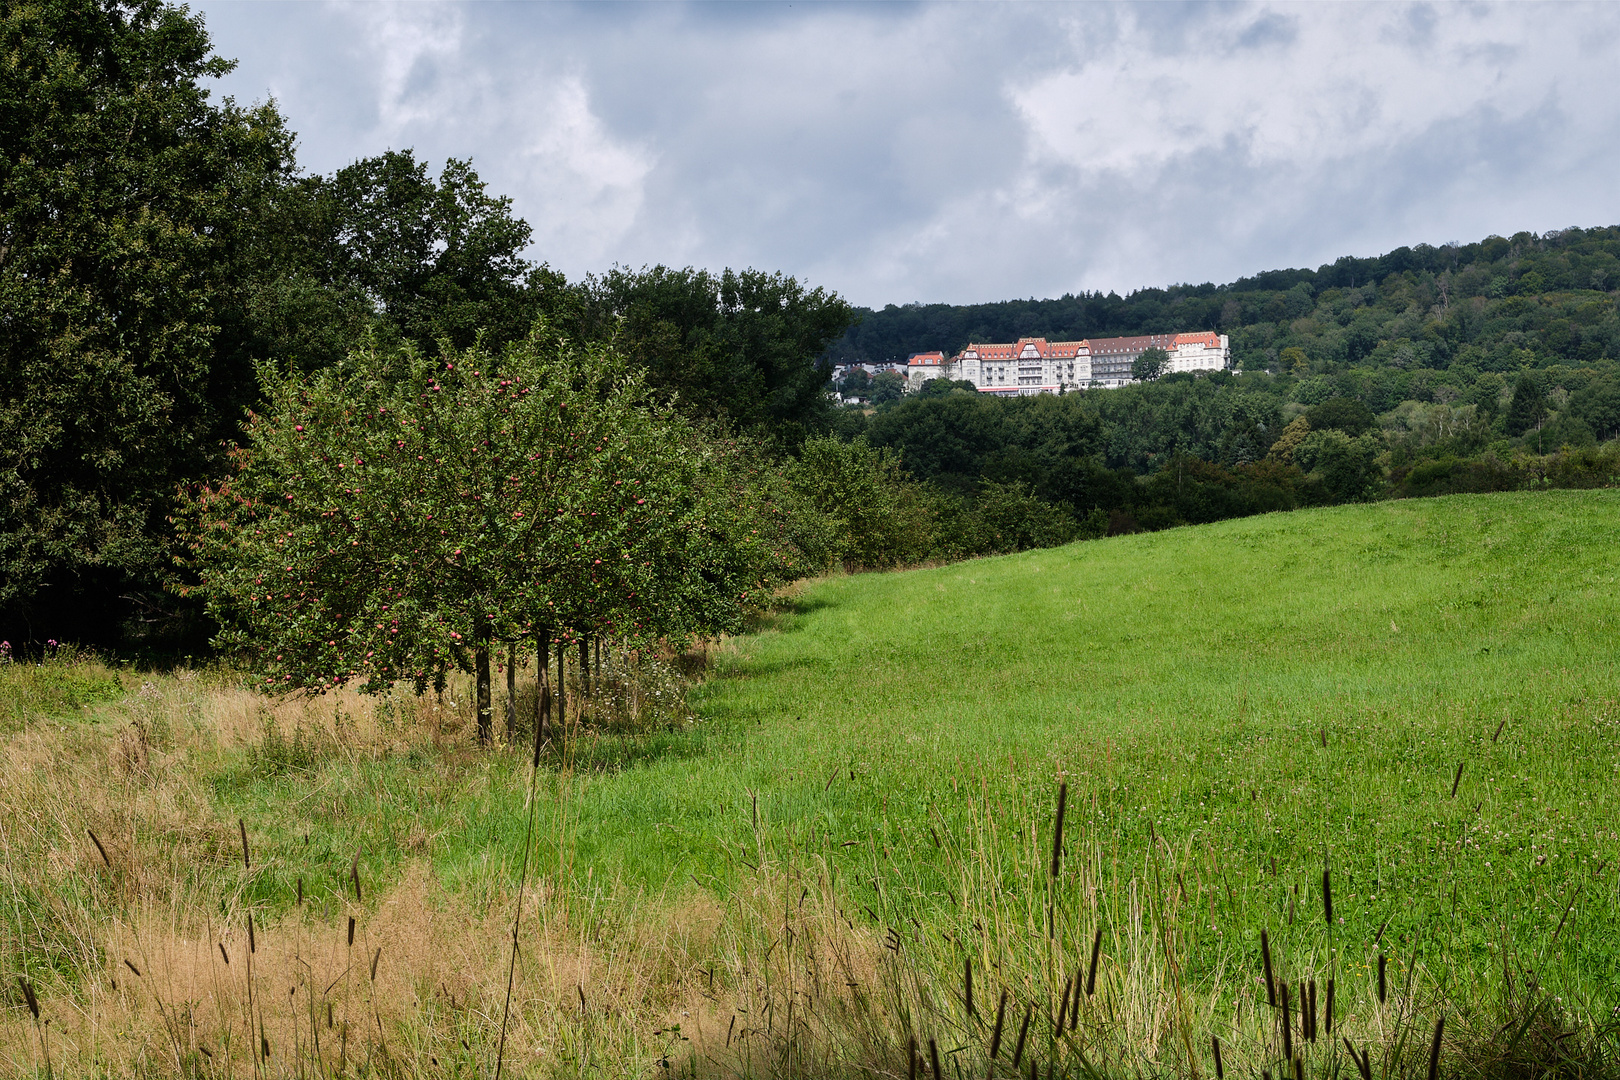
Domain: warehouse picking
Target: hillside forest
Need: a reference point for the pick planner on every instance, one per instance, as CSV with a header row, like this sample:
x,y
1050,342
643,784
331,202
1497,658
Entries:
x,y
178,295
1430,370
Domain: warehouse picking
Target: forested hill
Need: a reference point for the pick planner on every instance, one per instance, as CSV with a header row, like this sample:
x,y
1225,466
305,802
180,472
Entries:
x,y
1341,312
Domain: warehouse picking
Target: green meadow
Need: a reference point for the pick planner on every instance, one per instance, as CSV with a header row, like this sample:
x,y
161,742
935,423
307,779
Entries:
x,y
1418,698
1278,694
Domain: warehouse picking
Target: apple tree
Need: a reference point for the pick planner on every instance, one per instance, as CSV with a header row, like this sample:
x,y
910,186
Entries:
x,y
397,516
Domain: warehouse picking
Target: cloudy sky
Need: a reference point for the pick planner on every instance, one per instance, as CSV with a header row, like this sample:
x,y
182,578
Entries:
x,y
967,152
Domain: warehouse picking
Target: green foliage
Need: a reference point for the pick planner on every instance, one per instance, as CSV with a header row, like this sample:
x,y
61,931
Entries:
x,y
941,387
887,386
1527,410
875,516
1150,365
387,516
1289,441
442,259
130,207
1346,414
1346,468
1007,517
382,247
855,384
745,345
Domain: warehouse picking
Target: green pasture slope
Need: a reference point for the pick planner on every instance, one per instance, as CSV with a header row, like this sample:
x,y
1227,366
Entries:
x,y
1265,694
1248,699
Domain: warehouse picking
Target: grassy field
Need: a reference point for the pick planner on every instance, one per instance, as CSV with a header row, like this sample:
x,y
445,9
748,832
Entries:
x,y
794,877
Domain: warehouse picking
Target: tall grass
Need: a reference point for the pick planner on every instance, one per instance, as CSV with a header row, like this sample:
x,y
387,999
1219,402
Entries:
x,y
793,877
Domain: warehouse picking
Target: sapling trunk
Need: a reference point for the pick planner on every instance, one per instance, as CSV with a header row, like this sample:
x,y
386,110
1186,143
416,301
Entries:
x,y
511,689
486,718
584,667
562,685
542,670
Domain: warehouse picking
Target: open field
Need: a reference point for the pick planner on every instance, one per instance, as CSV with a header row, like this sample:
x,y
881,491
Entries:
x,y
1419,696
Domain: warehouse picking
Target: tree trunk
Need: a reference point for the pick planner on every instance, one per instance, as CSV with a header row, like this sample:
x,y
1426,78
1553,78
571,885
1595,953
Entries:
x,y
542,696
511,690
486,719
562,685
584,667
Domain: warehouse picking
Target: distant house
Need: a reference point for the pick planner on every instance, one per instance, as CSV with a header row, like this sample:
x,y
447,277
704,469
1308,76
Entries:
x,y
922,366
1037,366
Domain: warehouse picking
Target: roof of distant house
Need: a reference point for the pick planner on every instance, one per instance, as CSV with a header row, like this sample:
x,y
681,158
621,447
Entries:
x,y
1046,350
1064,350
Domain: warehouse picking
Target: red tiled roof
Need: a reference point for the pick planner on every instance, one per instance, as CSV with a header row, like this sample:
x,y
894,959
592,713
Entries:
x,y
926,358
1053,350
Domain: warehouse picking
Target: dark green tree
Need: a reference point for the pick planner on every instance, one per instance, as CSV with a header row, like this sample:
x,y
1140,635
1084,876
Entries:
x,y
131,210
887,387
1150,365
940,387
1527,409
1599,406
874,512
1346,468
442,259
1346,414
857,383
746,346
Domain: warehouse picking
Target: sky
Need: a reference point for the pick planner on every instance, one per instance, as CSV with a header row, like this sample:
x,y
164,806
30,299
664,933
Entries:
x,y
966,152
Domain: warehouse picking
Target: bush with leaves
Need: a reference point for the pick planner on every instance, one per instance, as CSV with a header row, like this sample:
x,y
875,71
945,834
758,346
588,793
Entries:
x,y
1347,469
395,517
877,515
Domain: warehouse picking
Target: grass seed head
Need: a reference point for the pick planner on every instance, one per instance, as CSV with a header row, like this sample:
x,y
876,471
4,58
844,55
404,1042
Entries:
x,y
1096,949
28,996
1434,1047
1057,829
99,848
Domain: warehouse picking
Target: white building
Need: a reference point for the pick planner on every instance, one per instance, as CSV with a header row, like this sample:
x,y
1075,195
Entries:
x,y
1037,366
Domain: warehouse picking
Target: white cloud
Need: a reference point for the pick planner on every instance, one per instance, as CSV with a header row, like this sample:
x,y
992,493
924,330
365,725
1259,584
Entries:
x,y
584,189
963,152
407,48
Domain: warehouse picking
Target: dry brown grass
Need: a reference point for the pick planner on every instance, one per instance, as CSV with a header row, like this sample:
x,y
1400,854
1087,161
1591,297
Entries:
x,y
784,975
137,778
431,1007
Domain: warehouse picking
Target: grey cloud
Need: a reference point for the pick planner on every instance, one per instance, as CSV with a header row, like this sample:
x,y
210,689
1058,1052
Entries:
x,y
918,152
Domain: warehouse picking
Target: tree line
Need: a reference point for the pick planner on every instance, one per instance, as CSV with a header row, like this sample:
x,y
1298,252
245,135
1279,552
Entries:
x,y
215,367
1430,370
164,260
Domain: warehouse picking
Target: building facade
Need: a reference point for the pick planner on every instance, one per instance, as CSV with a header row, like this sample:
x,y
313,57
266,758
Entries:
x,y
1037,366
